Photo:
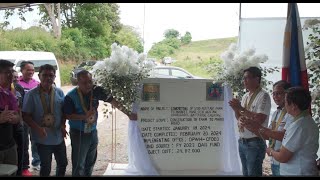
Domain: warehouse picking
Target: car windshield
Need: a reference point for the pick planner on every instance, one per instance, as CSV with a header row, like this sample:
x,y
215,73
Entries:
x,y
172,71
180,73
38,63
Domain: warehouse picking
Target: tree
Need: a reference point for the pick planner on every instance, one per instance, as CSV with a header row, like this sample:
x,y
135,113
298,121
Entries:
x,y
98,22
171,33
20,11
172,42
313,65
53,15
186,39
129,37
66,11
55,18
160,50
167,46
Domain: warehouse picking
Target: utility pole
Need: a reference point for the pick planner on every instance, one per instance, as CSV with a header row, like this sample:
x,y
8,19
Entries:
x,y
239,26
144,20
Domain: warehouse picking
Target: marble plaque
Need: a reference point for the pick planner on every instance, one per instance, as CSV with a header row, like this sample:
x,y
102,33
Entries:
x,y
181,122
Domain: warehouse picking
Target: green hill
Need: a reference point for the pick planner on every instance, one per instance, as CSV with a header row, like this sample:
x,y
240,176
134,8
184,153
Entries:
x,y
197,56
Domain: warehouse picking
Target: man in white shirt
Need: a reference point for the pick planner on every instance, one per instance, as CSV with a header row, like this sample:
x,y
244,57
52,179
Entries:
x,y
255,106
279,122
298,153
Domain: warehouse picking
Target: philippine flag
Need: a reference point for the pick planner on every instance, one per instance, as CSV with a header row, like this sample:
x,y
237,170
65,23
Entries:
x,y
294,68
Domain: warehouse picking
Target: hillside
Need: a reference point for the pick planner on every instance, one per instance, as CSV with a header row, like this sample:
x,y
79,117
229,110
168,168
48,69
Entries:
x,y
197,55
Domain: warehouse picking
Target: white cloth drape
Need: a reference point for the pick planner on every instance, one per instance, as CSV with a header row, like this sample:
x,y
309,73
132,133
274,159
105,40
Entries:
x,y
140,162
232,163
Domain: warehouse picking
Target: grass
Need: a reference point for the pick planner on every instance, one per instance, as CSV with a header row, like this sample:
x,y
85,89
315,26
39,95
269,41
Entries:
x,y
65,69
197,56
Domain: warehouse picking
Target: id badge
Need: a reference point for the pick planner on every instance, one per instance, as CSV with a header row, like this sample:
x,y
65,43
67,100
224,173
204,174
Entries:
x,y
87,128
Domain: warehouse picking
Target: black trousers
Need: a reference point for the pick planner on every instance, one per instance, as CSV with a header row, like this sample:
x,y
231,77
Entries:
x,y
26,132
19,138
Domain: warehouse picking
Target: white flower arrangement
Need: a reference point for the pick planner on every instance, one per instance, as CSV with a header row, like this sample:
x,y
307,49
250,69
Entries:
x,y
309,23
312,51
121,73
234,63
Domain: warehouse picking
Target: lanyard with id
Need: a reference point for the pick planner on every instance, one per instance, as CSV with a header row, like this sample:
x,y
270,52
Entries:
x,y
88,122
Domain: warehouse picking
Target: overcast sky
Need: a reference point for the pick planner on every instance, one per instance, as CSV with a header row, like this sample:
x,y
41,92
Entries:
x,y
202,20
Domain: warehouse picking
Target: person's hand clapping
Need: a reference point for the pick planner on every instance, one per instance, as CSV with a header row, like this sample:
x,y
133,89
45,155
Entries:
x,y
235,104
6,115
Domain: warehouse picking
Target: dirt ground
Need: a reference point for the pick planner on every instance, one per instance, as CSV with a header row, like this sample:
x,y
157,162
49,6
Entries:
x,y
112,147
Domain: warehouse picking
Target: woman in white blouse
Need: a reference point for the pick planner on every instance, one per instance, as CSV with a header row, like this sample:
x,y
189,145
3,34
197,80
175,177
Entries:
x,y
300,143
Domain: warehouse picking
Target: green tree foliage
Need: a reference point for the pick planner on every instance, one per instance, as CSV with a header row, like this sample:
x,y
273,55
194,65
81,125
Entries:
x,y
20,11
160,50
66,47
52,10
171,33
99,48
129,37
186,39
67,12
88,30
171,43
72,14
98,23
34,38
75,35
167,46
313,64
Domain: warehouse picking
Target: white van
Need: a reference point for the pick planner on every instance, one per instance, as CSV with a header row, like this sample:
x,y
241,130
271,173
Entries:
x,y
37,57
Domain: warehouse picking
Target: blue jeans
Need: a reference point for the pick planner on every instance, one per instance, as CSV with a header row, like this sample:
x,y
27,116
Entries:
x,y
35,154
252,153
60,154
84,152
275,169
34,151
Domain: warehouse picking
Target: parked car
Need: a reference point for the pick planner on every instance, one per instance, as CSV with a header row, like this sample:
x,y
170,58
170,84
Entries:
x,y
172,72
86,65
153,60
38,58
167,60
157,72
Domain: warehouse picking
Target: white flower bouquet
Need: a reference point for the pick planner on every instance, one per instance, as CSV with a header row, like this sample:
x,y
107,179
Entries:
x,y
234,63
312,51
121,73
